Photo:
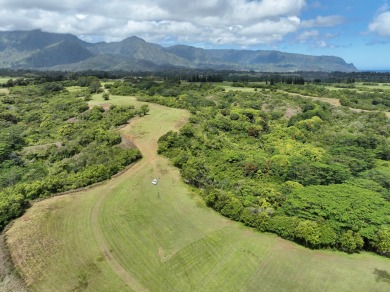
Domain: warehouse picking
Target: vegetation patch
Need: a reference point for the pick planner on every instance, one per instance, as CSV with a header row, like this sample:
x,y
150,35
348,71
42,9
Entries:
x,y
50,142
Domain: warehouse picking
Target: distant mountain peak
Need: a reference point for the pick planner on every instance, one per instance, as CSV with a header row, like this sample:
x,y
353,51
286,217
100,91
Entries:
x,y
134,38
38,49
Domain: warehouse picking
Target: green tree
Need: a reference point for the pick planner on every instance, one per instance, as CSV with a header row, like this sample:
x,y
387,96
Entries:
x,y
95,87
144,110
350,241
106,96
309,232
328,236
249,168
382,241
232,209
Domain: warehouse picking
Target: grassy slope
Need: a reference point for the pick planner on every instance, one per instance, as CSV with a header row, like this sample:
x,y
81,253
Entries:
x,y
129,233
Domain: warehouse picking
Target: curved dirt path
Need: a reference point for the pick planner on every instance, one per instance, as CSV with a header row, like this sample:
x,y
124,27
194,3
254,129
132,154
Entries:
x,y
335,102
147,144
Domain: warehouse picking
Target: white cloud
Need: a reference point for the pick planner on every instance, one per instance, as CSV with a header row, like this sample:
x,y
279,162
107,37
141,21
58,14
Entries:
x,y
317,39
308,35
321,44
81,16
241,22
323,21
381,24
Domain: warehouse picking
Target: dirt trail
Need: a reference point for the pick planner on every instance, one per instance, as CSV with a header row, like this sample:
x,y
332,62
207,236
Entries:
x,y
358,110
335,102
147,144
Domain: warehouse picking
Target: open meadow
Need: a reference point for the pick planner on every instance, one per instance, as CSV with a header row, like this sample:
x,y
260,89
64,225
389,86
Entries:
x,y
130,235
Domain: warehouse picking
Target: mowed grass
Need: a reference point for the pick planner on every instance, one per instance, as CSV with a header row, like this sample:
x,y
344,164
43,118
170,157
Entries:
x,y
128,234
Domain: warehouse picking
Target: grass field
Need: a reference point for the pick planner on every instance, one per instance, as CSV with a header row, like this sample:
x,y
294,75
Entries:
x,y
128,234
74,88
233,88
4,79
373,86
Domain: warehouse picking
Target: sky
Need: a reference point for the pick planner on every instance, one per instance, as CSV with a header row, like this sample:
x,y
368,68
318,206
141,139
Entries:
x,y
356,30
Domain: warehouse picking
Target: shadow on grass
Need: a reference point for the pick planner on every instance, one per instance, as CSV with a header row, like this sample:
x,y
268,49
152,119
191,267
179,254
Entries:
x,y
382,276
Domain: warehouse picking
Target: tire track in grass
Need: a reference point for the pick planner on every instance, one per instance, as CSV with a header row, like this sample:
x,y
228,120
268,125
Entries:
x,y
108,255
148,149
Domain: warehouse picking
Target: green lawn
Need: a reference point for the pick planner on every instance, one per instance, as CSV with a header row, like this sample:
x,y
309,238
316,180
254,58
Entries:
x,y
128,234
74,88
114,99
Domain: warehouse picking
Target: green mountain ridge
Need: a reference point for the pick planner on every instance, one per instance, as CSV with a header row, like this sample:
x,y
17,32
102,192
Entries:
x,y
51,51
65,52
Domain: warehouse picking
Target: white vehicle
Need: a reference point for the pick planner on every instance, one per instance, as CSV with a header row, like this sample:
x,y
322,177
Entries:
x,y
154,181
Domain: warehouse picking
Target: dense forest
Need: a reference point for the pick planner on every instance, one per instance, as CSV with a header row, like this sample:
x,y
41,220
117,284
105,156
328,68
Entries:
x,y
263,154
51,141
307,171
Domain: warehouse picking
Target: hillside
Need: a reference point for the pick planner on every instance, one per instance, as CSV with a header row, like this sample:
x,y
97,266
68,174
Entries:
x,y
50,51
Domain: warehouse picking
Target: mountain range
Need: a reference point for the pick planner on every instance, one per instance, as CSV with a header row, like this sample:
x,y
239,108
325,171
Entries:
x,y
51,51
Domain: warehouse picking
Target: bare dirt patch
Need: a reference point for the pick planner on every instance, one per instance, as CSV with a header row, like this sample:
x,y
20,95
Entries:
x,y
126,142
291,112
72,120
9,278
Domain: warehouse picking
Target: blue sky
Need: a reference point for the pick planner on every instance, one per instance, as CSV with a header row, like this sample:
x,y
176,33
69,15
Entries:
x,y
356,30
351,38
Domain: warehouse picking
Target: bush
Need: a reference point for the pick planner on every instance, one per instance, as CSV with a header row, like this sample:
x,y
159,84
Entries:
x,y
106,96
